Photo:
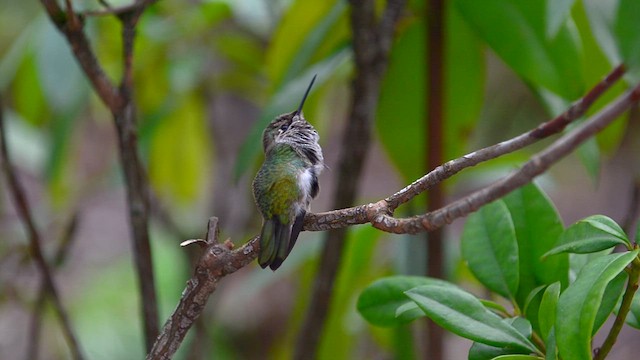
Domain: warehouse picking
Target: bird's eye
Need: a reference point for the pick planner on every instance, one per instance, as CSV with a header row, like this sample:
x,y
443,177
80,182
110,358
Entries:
x,y
284,127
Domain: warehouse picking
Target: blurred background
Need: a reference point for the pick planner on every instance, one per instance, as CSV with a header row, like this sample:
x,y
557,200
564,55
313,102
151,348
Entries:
x,y
209,75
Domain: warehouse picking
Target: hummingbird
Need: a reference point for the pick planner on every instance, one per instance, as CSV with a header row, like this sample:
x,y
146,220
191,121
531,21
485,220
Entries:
x,y
286,182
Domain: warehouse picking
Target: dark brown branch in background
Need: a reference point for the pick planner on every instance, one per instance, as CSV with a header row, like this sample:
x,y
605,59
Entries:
x,y
371,46
225,262
24,212
434,148
120,102
33,341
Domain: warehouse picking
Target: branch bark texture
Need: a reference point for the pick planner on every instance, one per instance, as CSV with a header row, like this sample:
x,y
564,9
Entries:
x,y
119,100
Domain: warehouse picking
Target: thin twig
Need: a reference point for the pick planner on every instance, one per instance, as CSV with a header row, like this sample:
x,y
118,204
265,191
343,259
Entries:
x,y
136,182
538,164
361,214
33,344
24,212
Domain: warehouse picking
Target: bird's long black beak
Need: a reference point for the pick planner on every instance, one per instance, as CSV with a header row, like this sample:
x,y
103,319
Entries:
x,y
305,97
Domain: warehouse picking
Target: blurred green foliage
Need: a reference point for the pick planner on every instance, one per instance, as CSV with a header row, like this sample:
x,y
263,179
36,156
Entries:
x,y
187,54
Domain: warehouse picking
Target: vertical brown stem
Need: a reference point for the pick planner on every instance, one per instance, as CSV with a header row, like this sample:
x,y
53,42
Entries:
x,y
434,150
136,184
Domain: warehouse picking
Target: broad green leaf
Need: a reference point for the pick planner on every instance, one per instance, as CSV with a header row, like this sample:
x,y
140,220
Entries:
x,y
602,15
490,248
178,158
597,66
633,317
494,306
286,99
590,235
552,349
62,80
515,30
13,55
29,100
578,261
557,12
517,357
384,303
578,305
402,102
547,312
538,227
463,314
627,32
299,35
612,294
532,306
480,351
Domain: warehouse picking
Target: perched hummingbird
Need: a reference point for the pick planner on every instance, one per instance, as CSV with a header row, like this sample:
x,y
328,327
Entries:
x,y
286,182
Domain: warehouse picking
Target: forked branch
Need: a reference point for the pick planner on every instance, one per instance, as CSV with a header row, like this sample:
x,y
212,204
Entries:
x,y
219,260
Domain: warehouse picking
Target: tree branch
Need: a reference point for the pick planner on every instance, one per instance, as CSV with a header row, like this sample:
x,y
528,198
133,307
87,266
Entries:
x,y
219,261
24,212
33,344
120,102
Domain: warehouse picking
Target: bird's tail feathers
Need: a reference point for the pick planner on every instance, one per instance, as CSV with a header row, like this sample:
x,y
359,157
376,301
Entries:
x,y
277,240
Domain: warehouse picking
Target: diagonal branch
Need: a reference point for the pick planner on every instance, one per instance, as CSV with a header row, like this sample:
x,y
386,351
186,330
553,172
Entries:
x,y
35,326
24,212
219,261
119,100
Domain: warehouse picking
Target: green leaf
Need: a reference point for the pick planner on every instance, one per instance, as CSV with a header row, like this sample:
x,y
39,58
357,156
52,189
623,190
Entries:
x,y
538,227
517,357
515,30
300,35
547,312
633,317
480,351
627,32
178,168
557,12
552,349
532,306
62,81
610,299
463,314
578,305
402,96
383,303
490,248
491,305
590,235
